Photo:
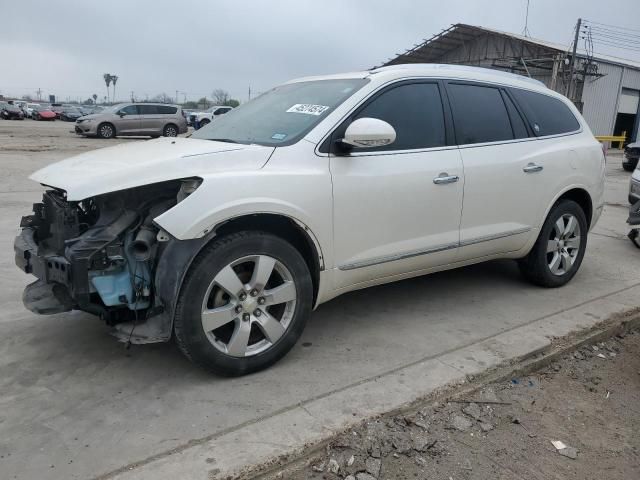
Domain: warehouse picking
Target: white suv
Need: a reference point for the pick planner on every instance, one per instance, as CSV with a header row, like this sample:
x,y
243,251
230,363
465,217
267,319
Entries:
x,y
230,238
204,118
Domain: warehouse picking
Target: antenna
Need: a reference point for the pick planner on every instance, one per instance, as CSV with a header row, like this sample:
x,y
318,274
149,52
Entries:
x,y
526,31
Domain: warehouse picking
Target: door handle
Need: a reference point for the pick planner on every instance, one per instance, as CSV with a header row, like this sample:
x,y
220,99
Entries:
x,y
445,178
532,168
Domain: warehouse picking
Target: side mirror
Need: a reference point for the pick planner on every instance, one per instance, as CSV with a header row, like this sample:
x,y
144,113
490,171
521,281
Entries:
x,y
369,132
122,114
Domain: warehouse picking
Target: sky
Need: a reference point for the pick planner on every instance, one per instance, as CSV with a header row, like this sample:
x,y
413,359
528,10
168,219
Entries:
x,y
157,46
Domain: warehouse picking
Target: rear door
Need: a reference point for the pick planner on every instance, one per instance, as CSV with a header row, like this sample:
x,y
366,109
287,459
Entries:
x,y
152,119
509,175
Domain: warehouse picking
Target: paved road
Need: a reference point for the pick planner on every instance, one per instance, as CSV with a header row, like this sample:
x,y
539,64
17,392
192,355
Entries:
x,y
75,404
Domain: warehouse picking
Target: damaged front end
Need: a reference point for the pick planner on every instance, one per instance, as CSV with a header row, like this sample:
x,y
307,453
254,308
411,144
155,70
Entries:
x,y
101,256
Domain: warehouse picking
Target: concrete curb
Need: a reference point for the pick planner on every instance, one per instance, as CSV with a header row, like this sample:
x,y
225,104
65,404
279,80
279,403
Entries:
x,y
262,447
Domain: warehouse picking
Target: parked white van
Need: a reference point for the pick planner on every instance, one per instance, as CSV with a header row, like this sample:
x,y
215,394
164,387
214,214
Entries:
x,y
230,238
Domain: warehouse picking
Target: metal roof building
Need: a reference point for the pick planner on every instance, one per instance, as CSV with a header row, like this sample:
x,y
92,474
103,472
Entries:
x,y
606,89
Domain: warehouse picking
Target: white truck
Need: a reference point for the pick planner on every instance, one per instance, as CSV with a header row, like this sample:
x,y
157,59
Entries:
x,y
206,117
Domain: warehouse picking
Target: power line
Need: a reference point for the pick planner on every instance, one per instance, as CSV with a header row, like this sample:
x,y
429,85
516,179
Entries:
x,y
617,27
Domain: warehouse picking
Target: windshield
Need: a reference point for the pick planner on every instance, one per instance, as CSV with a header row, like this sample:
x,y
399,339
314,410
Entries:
x,y
283,115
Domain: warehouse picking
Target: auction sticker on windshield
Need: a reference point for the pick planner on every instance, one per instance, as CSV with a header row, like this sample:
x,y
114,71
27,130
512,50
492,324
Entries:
x,y
308,108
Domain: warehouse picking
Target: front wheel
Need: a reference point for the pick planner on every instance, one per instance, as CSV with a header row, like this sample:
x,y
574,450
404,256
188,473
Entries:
x,y
243,304
106,130
558,252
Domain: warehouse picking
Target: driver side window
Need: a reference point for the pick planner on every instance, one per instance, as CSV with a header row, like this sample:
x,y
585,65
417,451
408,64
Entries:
x,y
129,110
414,110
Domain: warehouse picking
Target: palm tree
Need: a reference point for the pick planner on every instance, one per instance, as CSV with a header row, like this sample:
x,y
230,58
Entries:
x,y
114,79
107,79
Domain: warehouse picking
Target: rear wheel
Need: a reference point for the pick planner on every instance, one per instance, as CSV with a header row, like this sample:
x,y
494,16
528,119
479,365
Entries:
x,y
629,167
204,121
558,252
170,130
243,304
106,130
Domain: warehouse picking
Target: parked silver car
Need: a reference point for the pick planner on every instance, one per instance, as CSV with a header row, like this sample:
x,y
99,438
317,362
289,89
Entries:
x,y
143,119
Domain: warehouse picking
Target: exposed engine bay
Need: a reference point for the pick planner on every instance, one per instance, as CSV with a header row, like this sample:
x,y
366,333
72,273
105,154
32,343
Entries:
x,y
100,255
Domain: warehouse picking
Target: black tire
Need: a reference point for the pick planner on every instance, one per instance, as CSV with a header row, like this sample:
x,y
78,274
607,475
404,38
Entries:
x,y
106,130
170,130
629,167
535,267
203,122
189,332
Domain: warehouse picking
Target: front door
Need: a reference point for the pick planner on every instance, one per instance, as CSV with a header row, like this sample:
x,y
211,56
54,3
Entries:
x,y
397,208
129,121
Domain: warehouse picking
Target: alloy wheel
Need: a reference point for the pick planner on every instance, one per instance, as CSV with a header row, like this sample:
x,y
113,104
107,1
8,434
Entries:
x,y
249,305
563,244
106,131
170,132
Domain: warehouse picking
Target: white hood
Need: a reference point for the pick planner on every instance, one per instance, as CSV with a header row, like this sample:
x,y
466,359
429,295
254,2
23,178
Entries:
x,y
129,165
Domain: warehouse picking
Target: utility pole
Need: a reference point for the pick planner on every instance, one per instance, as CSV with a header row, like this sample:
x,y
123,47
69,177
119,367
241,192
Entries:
x,y
177,101
572,65
132,96
554,72
39,92
249,92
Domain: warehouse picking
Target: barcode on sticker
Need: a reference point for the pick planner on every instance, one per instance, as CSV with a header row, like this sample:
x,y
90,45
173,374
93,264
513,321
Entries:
x,y
308,108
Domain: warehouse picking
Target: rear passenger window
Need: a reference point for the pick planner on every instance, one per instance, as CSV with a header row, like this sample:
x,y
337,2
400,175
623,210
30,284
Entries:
x,y
547,115
167,110
414,111
148,109
479,114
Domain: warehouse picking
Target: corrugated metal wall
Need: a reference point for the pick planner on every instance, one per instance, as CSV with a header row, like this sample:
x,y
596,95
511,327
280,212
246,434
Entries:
x,y
600,97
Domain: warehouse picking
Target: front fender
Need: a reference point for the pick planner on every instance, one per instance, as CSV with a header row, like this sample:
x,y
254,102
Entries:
x,y
229,196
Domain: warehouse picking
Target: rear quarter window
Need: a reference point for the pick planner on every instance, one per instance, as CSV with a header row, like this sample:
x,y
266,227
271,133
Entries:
x,y
167,110
547,115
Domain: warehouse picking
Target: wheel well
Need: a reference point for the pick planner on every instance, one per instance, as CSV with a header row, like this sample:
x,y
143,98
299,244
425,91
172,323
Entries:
x,y
107,123
285,228
170,124
582,198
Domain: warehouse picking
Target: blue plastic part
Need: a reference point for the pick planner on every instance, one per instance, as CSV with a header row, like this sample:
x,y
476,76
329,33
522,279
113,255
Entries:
x,y
112,287
115,288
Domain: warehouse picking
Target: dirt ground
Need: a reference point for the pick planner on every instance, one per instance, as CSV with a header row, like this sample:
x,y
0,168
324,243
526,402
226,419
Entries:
x,y
590,401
